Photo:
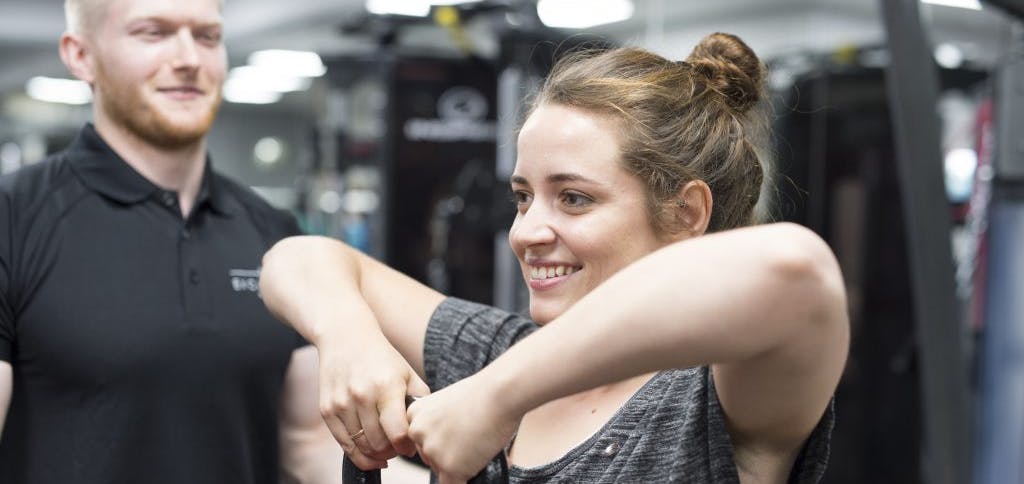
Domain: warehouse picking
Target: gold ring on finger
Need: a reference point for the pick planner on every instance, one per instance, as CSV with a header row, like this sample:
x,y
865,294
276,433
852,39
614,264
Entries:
x,y
358,434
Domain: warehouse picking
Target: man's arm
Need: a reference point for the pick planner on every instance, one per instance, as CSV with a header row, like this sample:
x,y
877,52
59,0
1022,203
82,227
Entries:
x,y
6,386
308,452
6,314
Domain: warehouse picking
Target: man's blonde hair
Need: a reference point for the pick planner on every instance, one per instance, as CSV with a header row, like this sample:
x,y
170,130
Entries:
x,y
81,16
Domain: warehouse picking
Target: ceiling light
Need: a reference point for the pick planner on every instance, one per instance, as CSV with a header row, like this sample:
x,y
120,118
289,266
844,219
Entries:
x,y
971,4
66,91
580,14
411,8
239,91
960,165
948,55
265,79
10,157
268,150
294,62
330,201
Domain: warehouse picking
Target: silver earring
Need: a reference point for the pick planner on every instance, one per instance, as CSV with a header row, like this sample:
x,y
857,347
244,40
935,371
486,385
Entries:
x,y
682,203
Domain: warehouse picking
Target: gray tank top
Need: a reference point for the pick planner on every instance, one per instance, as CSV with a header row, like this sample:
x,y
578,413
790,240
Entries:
x,y
671,430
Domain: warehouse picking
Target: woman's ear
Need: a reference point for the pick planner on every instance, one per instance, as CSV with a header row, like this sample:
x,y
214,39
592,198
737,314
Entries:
x,y
694,204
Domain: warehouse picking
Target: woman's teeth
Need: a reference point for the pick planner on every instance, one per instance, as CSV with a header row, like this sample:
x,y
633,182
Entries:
x,y
550,271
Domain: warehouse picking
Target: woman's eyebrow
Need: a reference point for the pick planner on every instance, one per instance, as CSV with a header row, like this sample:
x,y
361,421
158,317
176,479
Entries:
x,y
556,178
574,177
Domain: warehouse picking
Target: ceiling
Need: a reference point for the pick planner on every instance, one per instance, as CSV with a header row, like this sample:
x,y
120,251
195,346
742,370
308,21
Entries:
x,y
29,29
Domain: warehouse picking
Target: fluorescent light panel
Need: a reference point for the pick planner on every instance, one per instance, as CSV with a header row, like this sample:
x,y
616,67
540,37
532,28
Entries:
x,y
270,73
264,79
65,91
971,4
293,62
239,91
410,8
580,14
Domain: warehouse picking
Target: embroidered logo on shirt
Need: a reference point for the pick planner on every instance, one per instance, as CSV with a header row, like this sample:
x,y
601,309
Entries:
x,y
245,280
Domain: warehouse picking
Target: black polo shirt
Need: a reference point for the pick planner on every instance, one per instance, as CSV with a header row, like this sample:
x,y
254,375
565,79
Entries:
x,y
141,350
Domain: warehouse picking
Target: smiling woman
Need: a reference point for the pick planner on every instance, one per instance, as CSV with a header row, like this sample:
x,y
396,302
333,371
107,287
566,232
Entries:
x,y
575,205
657,351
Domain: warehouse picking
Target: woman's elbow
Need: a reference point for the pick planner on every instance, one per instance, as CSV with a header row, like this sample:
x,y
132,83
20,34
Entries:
x,y
292,257
811,273
292,252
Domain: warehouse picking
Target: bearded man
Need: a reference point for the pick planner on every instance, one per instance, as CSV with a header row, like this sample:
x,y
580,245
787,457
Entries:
x,y
133,345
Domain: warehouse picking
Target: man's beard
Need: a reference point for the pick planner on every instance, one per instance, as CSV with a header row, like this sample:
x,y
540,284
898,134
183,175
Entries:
x,y
126,107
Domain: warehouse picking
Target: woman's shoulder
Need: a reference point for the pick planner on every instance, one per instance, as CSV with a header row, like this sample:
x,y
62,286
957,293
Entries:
x,y
464,336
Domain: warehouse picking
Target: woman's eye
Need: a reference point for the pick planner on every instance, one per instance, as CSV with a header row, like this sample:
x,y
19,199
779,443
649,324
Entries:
x,y
573,199
520,198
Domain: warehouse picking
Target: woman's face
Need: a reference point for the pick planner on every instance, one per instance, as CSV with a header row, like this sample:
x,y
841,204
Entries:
x,y
581,216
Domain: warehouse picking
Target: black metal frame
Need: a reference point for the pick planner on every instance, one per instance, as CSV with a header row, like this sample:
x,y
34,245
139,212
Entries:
x,y
912,83
1013,7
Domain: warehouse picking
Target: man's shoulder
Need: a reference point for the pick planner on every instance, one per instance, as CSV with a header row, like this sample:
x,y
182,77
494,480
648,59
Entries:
x,y
37,181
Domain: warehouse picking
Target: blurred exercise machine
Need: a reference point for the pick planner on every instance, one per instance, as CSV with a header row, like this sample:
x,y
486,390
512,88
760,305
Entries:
x,y
927,396
999,454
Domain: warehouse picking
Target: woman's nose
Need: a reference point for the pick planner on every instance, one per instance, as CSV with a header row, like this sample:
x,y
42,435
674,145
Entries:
x,y
532,227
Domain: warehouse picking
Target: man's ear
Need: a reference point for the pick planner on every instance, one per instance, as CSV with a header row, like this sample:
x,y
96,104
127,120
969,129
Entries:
x,y
694,204
77,56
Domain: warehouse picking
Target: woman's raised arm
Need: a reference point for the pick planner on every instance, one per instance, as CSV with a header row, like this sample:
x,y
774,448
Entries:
x,y
764,306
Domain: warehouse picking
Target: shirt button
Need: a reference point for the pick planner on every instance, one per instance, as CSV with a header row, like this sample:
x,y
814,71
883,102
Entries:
x,y
193,276
611,450
168,198
186,234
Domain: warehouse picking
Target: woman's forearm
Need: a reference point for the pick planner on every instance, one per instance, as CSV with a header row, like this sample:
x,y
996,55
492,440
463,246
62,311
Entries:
x,y
313,285
333,296
329,291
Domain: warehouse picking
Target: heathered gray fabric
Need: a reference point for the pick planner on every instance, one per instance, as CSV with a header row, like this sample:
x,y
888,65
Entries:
x,y
671,430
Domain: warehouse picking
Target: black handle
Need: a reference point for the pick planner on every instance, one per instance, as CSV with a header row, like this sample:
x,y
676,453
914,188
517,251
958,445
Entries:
x,y
496,471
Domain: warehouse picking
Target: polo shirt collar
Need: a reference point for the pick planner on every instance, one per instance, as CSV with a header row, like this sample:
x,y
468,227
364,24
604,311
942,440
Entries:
x,y
104,171
213,191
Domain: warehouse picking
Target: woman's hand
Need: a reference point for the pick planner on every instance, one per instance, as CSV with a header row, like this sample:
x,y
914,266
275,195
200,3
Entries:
x,y
459,429
362,398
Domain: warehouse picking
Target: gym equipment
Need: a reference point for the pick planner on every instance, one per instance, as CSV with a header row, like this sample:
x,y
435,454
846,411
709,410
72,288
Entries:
x,y
496,471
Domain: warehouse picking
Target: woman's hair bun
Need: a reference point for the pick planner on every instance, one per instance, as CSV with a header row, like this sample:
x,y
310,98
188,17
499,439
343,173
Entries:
x,y
731,68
